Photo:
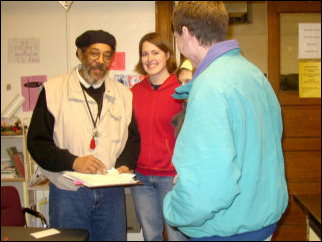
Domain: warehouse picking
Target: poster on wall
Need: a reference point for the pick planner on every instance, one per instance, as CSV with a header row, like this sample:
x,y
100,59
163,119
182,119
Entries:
x,y
30,88
118,62
23,51
310,60
128,80
310,40
310,79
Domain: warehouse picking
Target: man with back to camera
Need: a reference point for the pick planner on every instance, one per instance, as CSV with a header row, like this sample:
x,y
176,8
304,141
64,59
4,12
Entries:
x,y
82,122
228,156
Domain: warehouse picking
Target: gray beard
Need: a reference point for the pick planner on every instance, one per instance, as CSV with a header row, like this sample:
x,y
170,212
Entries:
x,y
88,77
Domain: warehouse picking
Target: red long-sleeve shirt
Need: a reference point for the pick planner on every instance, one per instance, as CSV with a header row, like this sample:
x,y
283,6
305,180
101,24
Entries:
x,y
153,110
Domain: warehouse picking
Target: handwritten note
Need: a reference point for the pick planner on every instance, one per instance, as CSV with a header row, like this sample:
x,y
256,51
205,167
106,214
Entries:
x,y
310,40
24,51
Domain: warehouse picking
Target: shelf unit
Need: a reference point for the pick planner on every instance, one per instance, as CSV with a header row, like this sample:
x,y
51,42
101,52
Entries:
x,y
28,195
18,141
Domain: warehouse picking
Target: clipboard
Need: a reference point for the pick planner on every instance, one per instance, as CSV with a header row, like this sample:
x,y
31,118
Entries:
x,y
100,180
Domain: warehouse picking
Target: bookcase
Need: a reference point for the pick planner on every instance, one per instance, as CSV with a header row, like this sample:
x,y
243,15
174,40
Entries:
x,y
29,196
20,183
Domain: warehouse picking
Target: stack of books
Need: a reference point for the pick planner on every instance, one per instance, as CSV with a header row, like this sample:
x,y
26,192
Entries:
x,y
7,169
17,160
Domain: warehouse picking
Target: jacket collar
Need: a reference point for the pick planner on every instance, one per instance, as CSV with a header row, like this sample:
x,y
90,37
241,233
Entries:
x,y
214,52
172,79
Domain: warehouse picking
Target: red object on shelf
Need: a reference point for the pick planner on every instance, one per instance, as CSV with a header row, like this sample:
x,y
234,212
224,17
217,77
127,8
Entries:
x,y
19,161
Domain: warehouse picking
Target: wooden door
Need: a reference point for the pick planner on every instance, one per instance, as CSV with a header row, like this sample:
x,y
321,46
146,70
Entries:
x,y
301,116
163,14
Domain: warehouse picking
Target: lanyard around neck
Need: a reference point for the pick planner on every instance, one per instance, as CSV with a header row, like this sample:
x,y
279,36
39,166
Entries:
x,y
94,122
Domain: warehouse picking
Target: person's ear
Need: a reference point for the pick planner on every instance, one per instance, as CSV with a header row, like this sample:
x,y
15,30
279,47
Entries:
x,y
80,54
168,55
185,32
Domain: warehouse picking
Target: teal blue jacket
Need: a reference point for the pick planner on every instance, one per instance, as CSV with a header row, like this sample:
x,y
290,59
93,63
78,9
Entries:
x,y
228,155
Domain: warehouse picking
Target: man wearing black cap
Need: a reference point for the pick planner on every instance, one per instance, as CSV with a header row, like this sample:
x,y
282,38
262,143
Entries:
x,y
83,122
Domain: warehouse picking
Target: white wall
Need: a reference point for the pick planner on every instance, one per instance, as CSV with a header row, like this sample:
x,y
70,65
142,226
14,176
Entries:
x,y
57,30
252,37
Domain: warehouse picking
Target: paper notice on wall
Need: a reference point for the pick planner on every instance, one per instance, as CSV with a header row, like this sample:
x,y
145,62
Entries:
x,y
310,79
30,88
118,62
24,51
310,41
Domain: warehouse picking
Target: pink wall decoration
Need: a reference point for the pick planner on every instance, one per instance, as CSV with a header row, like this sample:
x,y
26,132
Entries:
x,y
118,62
30,88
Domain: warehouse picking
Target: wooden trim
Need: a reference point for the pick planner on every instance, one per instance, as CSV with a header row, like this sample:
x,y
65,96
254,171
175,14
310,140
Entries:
x,y
273,46
163,25
301,144
296,6
301,121
302,166
274,9
306,187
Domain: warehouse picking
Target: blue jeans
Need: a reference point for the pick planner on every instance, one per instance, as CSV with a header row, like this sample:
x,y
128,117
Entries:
x,y
148,202
101,211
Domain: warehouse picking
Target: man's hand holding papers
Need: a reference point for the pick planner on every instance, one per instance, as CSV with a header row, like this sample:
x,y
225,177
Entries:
x,y
112,178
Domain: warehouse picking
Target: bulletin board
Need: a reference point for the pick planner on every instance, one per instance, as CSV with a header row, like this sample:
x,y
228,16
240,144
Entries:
x,y
38,38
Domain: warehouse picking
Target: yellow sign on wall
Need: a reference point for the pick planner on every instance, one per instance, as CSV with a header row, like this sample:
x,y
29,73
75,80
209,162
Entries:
x,y
310,79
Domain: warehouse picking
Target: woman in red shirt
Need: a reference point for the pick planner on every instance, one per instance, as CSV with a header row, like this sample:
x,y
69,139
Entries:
x,y
154,108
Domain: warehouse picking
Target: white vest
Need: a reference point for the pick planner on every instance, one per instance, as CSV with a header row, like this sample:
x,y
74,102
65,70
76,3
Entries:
x,y
73,129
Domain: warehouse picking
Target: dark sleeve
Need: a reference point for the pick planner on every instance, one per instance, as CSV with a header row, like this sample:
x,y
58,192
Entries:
x,y
131,151
40,142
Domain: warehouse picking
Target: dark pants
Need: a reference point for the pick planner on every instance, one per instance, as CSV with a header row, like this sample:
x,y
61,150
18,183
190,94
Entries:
x,y
101,211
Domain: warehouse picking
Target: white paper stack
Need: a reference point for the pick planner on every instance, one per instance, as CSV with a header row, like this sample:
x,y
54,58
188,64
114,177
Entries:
x,y
99,180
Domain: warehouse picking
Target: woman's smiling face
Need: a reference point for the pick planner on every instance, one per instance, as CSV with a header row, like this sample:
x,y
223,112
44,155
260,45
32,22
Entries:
x,y
154,60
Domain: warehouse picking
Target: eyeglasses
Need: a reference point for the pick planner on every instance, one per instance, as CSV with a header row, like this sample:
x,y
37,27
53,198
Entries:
x,y
107,56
